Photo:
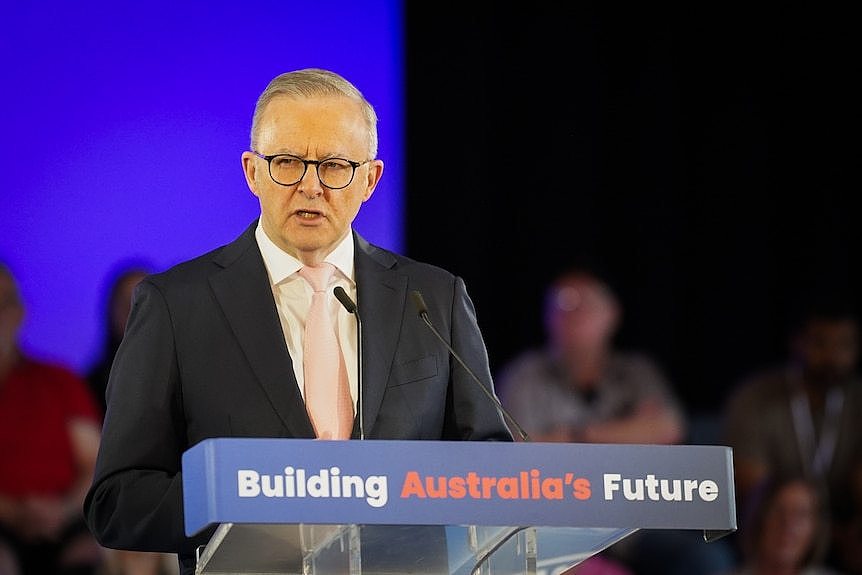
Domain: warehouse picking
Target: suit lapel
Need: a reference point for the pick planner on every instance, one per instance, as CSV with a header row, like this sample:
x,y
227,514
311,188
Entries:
x,y
243,291
381,294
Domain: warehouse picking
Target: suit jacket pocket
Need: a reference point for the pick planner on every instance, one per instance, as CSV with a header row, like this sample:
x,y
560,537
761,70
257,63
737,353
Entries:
x,y
414,370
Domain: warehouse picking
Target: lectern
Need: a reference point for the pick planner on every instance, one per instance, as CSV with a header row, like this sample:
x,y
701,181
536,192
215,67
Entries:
x,y
375,507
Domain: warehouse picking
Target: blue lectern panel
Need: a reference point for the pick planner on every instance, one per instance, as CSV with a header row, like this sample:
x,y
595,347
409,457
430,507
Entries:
x,y
264,481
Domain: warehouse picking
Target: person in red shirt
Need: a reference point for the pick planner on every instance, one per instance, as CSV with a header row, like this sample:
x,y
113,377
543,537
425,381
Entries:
x,y
49,438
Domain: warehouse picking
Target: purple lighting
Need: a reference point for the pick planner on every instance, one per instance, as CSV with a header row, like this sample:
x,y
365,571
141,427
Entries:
x,y
123,129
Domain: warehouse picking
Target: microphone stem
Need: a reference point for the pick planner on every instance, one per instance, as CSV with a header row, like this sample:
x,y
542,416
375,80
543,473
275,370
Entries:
x,y
491,396
351,308
359,394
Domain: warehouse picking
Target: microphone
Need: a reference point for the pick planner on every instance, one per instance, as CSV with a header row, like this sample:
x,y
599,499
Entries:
x,y
419,302
350,306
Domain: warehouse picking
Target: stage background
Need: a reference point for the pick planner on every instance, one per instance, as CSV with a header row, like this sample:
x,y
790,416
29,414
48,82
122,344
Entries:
x,y
123,125
704,157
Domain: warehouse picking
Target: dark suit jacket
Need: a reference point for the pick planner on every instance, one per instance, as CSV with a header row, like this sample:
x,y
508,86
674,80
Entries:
x,y
204,356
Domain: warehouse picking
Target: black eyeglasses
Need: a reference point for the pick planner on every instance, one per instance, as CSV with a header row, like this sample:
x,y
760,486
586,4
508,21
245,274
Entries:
x,y
287,170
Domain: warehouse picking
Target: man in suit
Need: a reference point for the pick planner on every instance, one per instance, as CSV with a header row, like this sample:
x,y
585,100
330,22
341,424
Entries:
x,y
213,346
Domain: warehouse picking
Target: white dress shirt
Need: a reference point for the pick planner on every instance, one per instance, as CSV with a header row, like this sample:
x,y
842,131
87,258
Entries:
x,y
293,297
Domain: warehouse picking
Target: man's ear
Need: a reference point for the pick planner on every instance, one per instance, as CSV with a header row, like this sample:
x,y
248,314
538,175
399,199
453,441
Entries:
x,y
375,172
249,168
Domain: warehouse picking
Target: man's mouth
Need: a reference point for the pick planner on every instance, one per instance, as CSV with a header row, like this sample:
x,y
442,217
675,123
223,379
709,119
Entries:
x,y
307,215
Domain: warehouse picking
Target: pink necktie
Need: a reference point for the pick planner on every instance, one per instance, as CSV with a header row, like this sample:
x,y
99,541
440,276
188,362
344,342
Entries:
x,y
327,395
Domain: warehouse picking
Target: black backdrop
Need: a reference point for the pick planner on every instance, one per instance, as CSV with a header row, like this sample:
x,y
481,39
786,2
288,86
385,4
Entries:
x,y
705,159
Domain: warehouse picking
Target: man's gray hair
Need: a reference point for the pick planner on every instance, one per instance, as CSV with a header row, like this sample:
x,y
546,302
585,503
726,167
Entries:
x,y
309,83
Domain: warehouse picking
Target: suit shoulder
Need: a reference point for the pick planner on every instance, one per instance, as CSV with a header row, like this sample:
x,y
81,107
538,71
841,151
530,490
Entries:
x,y
404,263
425,268
200,267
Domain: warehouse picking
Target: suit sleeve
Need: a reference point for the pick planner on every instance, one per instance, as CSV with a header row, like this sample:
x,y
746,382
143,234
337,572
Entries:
x,y
135,501
471,412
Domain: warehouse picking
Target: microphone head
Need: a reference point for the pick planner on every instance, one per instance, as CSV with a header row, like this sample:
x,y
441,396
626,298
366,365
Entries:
x,y
419,302
345,300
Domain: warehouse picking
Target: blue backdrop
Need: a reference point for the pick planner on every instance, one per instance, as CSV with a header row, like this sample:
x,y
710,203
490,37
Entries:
x,y
123,129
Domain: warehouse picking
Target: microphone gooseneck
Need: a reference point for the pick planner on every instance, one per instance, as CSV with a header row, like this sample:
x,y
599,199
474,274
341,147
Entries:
x,y
350,306
419,302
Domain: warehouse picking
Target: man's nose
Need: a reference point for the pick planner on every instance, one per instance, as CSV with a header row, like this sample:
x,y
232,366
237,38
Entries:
x,y
310,185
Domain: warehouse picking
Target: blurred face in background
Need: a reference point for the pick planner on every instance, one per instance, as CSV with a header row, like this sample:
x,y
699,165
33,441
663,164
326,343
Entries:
x,y
789,526
581,315
828,349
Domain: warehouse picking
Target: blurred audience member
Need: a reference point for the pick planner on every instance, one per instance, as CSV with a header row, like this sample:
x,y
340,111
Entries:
x,y
804,417
580,387
784,530
49,438
118,303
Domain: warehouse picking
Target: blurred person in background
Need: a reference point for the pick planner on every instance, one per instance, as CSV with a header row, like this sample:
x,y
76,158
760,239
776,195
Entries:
x,y
784,530
804,416
581,387
118,303
49,438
